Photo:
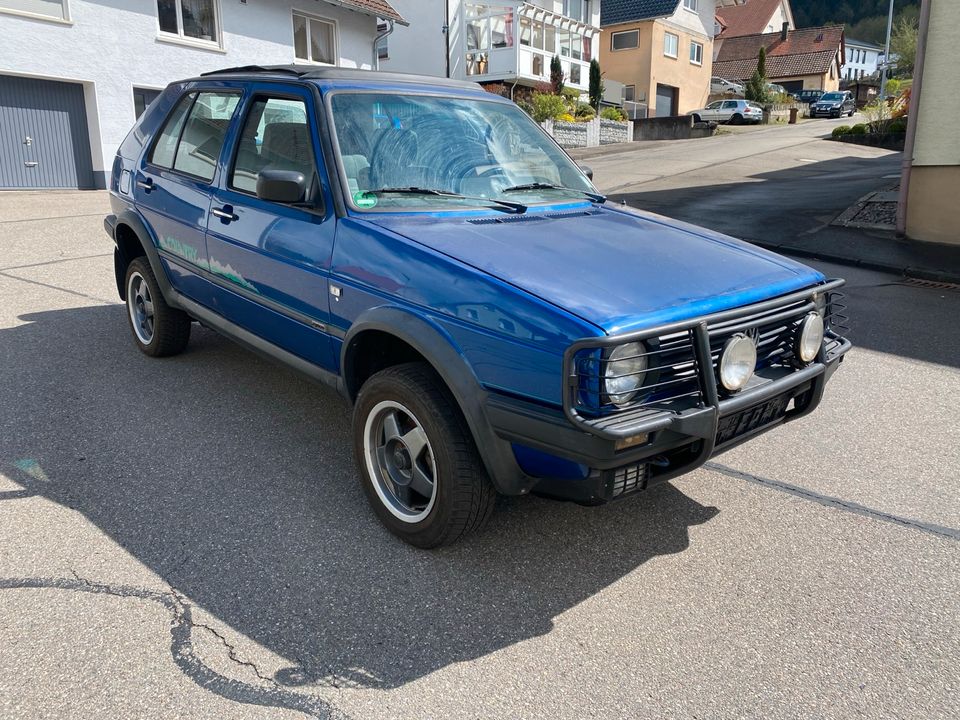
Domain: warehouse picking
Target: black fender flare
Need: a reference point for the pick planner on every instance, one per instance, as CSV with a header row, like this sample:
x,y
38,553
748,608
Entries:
x,y
134,221
448,362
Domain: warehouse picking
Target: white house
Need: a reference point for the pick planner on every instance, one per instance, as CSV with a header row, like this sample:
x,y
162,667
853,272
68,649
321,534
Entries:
x,y
863,59
75,74
506,41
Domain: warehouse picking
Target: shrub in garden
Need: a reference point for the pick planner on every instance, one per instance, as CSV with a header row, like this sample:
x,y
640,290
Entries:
x,y
547,107
898,126
858,129
612,113
585,113
566,117
840,130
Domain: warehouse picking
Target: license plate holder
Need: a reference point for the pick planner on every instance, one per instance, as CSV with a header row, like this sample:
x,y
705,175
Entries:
x,y
753,418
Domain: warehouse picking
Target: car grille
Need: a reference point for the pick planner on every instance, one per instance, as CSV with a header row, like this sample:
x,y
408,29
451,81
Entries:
x,y
673,378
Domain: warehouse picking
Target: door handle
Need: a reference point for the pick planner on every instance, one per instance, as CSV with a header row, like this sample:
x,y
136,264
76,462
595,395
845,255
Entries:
x,y
30,163
225,213
145,185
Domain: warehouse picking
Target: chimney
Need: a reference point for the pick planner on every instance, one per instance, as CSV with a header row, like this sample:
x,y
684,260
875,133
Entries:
x,y
784,31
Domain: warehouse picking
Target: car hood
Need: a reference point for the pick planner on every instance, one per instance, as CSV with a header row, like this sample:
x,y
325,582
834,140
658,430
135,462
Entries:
x,y
617,268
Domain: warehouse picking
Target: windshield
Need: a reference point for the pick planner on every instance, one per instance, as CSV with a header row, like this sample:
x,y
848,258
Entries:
x,y
473,148
831,96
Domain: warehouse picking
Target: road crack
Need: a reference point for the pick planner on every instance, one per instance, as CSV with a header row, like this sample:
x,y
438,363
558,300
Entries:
x,y
183,650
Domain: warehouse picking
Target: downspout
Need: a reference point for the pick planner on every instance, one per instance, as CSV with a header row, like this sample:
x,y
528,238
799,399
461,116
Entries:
x,y
376,42
446,32
913,117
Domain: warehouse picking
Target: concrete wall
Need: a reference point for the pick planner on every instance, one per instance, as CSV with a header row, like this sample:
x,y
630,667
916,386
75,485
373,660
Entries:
x,y
667,128
935,178
646,66
112,46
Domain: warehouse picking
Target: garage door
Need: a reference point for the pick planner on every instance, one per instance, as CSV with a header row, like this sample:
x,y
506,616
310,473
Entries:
x,y
43,135
666,101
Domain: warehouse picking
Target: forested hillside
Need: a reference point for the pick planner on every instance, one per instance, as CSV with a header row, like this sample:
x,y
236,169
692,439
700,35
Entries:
x,y
865,19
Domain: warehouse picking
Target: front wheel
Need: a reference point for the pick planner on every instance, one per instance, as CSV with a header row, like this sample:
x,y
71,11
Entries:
x,y
696,119
418,463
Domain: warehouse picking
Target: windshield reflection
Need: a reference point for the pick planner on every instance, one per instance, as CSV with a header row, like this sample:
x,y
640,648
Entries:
x,y
467,147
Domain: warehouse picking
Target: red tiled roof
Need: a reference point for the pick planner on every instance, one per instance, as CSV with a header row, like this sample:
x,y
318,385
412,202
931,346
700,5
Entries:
x,y
378,8
748,19
808,51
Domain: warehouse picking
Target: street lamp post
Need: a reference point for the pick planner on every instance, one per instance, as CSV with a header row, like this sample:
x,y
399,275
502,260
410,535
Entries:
x,y
886,56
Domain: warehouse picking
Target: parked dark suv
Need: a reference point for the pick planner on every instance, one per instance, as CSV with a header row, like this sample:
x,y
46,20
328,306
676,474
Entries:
x,y
808,96
425,248
834,104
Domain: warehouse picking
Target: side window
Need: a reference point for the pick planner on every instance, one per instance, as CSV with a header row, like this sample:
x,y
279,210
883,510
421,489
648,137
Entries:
x,y
729,104
203,134
276,134
714,105
166,146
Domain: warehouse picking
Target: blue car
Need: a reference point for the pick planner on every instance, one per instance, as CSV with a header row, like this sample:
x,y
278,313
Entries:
x,y
426,249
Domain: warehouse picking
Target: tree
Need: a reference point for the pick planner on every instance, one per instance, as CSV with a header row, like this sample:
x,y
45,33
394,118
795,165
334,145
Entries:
x,y
756,89
596,84
903,44
556,75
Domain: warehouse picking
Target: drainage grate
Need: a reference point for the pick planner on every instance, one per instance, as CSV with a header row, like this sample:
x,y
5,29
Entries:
x,y
930,284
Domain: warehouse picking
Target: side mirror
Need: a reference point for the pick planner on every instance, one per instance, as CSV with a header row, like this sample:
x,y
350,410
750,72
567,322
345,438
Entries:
x,y
282,186
587,170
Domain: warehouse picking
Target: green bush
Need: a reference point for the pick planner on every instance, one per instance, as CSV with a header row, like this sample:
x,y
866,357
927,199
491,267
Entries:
x,y
526,106
840,130
584,112
548,107
612,113
858,129
898,126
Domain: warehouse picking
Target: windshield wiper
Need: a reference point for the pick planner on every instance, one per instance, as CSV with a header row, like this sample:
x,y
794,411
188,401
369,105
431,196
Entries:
x,y
512,206
596,197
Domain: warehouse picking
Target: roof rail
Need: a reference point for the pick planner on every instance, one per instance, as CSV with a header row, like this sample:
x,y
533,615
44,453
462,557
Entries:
x,y
247,69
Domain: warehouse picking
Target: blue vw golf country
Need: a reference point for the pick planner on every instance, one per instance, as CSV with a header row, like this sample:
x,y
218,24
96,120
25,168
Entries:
x,y
425,248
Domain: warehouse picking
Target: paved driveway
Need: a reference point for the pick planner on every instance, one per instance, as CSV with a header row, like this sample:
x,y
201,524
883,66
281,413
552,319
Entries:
x,y
187,538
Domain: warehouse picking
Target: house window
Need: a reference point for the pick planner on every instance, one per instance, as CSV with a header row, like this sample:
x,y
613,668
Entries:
x,y
579,10
314,40
537,66
575,73
629,91
383,44
696,52
690,5
626,40
56,9
671,44
489,27
192,19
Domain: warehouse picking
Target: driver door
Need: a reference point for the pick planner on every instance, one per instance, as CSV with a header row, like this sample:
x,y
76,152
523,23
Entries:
x,y
270,261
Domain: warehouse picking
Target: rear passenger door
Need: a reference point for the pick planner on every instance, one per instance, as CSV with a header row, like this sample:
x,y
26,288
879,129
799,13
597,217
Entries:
x,y
270,261
173,184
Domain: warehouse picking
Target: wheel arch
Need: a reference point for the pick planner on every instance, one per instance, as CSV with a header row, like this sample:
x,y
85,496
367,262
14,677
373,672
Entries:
x,y
401,336
134,240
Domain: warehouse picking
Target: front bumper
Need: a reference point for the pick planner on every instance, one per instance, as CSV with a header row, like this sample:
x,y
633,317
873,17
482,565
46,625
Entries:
x,y
637,448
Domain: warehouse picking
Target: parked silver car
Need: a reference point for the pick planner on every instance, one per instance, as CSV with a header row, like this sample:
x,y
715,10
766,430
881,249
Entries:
x,y
735,112
720,86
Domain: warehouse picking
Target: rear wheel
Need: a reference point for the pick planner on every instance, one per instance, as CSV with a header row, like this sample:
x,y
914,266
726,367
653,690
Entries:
x,y
737,119
418,463
158,329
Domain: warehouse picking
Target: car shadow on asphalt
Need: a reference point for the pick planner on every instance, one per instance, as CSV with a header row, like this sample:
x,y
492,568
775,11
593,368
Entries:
x,y
232,479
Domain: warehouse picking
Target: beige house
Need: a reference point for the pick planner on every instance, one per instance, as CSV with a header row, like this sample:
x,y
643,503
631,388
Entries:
x,y
661,50
931,181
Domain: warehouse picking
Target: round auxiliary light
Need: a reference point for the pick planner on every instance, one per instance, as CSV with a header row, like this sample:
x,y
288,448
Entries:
x,y
624,372
810,337
738,360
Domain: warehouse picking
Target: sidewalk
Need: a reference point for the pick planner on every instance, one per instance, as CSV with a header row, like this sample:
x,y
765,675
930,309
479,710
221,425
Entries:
x,y
865,235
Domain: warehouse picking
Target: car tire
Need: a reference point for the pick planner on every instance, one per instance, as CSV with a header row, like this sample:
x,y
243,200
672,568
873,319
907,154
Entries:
x,y
158,329
418,463
852,112
696,119
737,119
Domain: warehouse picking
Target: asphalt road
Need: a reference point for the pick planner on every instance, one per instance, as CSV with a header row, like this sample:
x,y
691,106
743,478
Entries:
x,y
187,537
770,184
